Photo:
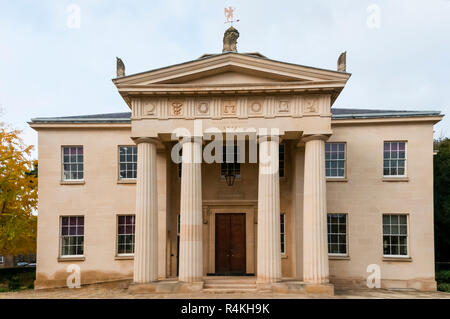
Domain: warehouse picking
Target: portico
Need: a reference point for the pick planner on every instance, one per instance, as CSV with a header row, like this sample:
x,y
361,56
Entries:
x,y
262,103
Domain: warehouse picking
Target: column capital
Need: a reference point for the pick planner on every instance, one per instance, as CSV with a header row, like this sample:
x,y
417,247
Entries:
x,y
269,138
313,137
190,139
150,140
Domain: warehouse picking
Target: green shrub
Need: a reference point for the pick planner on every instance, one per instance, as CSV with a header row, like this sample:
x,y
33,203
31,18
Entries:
x,y
443,276
14,283
445,287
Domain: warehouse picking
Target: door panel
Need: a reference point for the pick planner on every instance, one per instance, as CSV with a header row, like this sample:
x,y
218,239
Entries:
x,y
230,244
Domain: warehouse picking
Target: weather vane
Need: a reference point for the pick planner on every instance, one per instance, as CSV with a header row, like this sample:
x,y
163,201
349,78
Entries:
x,y
229,15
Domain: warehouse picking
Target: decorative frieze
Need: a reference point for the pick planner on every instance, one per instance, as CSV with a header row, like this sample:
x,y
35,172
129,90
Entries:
x,y
242,107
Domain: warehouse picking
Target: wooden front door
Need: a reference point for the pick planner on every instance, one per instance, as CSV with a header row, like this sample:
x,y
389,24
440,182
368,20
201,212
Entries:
x,y
230,244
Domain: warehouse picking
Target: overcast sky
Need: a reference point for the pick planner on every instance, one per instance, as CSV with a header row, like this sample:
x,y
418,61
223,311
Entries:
x,y
398,50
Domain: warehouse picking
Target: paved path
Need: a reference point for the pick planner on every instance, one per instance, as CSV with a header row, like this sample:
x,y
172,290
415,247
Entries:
x,y
119,291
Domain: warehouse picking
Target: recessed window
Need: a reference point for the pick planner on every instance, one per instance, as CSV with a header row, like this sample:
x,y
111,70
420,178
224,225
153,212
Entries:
x,y
125,234
395,235
283,233
337,234
394,159
231,165
72,236
73,169
282,155
127,162
335,160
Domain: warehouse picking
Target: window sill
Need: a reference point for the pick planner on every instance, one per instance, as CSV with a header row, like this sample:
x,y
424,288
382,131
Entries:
x,y
131,257
395,179
126,181
73,182
69,259
344,180
284,256
397,259
337,257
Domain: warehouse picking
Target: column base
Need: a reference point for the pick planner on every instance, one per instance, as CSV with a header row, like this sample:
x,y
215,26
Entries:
x,y
166,286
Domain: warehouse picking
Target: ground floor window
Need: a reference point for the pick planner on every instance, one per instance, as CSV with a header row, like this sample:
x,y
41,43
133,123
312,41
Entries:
x,y
283,233
2,260
125,234
72,236
337,234
395,235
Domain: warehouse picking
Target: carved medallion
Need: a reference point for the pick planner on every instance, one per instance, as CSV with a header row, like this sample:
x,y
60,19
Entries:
x,y
229,107
255,107
177,108
203,108
148,108
284,107
310,105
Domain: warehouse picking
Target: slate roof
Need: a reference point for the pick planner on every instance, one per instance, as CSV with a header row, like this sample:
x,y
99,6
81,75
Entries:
x,y
337,113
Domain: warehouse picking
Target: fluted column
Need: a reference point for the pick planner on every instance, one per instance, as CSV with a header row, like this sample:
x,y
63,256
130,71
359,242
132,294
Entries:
x,y
315,247
191,254
269,249
146,234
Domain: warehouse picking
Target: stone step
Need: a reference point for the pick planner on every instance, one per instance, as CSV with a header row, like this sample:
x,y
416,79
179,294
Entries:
x,y
228,291
229,286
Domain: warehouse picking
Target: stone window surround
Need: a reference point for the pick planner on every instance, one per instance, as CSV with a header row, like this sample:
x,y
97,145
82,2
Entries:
x,y
406,257
124,180
339,178
71,181
401,178
347,254
117,254
63,258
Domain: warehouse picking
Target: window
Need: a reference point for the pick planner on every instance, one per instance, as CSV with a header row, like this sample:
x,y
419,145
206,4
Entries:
x,y
283,233
337,234
2,260
335,160
281,159
73,163
395,235
125,234
127,162
394,159
72,236
231,156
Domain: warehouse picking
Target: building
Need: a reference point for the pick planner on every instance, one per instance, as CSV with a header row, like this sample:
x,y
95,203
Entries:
x,y
331,191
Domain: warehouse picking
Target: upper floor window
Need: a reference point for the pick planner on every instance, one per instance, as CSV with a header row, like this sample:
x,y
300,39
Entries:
x,y
394,159
231,165
335,160
127,162
73,169
283,233
125,234
72,236
337,234
395,235
282,156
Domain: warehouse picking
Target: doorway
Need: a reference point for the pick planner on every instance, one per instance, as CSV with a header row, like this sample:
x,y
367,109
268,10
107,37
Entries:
x,y
230,242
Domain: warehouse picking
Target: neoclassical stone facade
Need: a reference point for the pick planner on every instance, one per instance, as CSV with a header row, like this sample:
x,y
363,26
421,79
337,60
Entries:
x,y
306,170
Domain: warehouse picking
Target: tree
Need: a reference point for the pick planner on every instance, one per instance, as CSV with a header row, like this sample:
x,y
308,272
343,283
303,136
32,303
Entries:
x,y
442,199
18,195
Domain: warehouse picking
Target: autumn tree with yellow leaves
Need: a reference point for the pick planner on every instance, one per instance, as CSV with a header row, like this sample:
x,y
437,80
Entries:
x,y
18,195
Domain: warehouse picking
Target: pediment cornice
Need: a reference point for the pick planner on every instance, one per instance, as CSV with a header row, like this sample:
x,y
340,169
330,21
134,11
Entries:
x,y
279,77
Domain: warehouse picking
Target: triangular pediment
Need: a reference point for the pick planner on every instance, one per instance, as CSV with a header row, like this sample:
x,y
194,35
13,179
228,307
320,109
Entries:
x,y
231,69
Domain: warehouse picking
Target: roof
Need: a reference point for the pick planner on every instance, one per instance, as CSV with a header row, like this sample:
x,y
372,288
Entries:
x,y
337,113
